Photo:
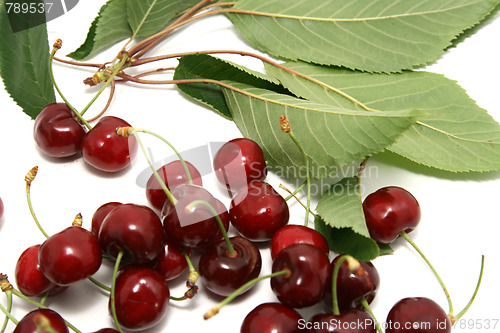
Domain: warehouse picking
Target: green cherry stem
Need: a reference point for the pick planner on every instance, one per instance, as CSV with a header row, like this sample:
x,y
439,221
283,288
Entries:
x,y
335,275
461,313
368,309
30,176
441,282
215,310
285,127
113,289
6,288
193,273
8,316
293,195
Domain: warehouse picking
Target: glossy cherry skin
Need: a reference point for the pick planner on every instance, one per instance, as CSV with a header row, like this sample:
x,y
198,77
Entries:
x,y
1,208
56,132
352,321
196,228
389,211
106,330
28,323
239,162
305,284
295,234
258,211
352,285
141,297
173,174
272,317
171,262
135,229
69,256
99,216
103,149
221,273
418,315
29,278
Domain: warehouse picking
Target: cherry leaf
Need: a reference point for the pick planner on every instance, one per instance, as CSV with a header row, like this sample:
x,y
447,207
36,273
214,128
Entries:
x,y
24,65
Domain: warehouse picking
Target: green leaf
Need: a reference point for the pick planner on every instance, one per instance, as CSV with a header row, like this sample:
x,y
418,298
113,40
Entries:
x,y
376,35
457,136
331,136
155,14
203,66
109,27
24,65
342,221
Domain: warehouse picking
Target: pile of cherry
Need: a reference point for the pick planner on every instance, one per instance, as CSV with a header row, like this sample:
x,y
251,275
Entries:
x,y
152,245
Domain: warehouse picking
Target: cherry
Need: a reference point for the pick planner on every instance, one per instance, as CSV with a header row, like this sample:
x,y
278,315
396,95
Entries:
x,y
223,273
272,317
1,208
305,283
390,211
99,216
352,321
141,297
171,262
356,280
295,234
106,330
239,162
69,256
136,229
43,317
29,278
195,228
104,149
57,132
172,174
417,315
258,211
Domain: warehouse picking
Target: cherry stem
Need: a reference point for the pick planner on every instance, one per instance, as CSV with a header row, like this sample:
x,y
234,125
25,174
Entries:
x,y
352,263
113,289
215,310
368,309
230,249
441,282
30,176
193,273
43,324
461,313
292,195
99,284
7,312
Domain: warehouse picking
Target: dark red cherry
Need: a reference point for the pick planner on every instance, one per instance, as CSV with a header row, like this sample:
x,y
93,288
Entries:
x,y
273,318
222,273
356,280
29,322
171,262
141,297
305,283
99,216
389,211
258,211
173,174
69,256
352,321
418,315
104,149
195,228
57,133
295,234
29,278
239,162
135,229
106,330
1,208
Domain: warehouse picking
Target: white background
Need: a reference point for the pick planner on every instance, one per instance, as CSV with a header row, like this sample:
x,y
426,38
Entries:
x,y
459,212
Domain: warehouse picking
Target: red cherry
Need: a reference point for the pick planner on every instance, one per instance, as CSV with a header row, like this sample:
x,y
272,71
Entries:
x,y
389,211
69,256
239,162
272,318
296,234
258,211
418,315
352,285
57,132
135,229
141,297
99,216
352,321
305,284
28,323
222,273
29,278
173,174
1,208
106,330
104,149
171,262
